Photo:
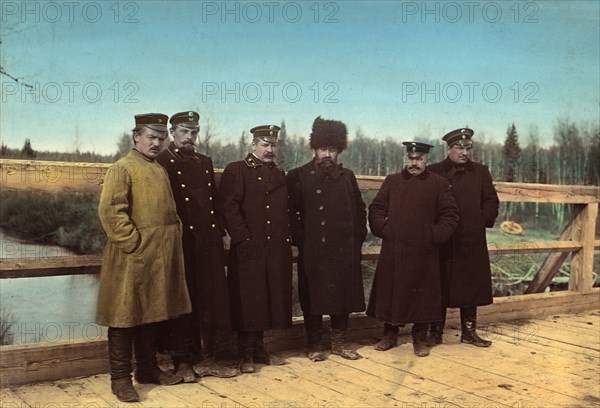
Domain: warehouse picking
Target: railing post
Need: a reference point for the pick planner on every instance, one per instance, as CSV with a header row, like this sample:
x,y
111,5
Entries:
x,y
584,230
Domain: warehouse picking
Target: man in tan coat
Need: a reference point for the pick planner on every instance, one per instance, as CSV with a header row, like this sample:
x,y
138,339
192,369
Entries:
x,y
142,280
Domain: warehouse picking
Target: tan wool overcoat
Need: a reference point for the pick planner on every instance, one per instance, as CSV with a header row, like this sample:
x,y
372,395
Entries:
x,y
142,279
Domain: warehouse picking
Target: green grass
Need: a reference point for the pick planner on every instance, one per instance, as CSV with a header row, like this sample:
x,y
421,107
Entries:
x,y
66,219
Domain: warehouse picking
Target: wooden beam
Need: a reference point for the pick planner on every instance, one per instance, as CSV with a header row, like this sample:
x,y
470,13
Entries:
x,y
90,264
584,229
553,261
50,266
51,177
22,364
520,192
547,193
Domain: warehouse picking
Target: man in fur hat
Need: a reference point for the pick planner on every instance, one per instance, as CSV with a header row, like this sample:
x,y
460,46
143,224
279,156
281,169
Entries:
x,y
328,225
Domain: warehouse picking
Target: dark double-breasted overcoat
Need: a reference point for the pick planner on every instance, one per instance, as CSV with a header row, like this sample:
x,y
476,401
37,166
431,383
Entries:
x,y
254,201
413,215
328,225
465,261
193,184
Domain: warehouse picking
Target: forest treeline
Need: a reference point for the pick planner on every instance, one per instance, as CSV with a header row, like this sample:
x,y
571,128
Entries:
x,y
572,158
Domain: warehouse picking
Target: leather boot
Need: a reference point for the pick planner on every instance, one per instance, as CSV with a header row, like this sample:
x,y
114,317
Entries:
x,y
209,367
314,336
205,362
183,369
436,334
147,370
339,346
468,326
419,333
389,339
120,342
246,351
261,355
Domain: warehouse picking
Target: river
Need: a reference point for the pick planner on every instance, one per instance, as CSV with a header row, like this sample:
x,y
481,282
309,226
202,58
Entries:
x,y
48,309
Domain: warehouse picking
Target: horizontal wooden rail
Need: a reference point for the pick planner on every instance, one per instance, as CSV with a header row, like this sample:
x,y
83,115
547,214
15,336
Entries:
x,y
90,264
51,177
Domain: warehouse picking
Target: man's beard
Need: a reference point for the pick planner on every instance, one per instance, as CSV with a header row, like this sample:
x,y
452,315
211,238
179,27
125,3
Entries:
x,y
327,169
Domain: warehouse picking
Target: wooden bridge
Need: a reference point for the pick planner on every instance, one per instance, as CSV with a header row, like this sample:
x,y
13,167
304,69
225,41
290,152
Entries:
x,y
546,349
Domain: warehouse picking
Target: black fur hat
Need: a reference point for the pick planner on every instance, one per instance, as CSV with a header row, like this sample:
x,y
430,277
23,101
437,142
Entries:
x,y
328,133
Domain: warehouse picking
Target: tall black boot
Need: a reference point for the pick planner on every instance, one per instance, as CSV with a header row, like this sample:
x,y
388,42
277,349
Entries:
x,y
314,336
389,339
246,350
147,370
339,328
468,325
436,331
419,333
120,342
205,362
182,361
261,355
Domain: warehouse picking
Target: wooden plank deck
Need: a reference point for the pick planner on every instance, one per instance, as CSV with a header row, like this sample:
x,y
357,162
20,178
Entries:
x,y
551,362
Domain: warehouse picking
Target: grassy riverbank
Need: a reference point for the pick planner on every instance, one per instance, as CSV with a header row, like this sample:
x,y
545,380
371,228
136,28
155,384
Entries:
x,y
69,220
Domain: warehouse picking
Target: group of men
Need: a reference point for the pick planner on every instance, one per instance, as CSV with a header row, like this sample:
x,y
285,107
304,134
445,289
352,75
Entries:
x,y
164,285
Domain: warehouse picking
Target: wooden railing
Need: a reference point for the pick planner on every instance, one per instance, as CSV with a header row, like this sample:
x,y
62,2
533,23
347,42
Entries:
x,y
27,363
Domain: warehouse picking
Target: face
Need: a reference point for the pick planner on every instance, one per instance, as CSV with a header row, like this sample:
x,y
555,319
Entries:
x,y
264,151
149,142
416,164
326,153
185,138
459,154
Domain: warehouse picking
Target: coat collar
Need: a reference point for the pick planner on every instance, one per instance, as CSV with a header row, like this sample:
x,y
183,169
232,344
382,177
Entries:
x,y
178,155
252,161
138,154
449,165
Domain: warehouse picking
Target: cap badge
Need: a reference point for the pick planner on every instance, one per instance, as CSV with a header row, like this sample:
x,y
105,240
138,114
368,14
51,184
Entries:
x,y
191,114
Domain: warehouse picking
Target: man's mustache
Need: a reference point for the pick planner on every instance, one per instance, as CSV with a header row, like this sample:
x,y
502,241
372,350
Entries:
x,y
413,167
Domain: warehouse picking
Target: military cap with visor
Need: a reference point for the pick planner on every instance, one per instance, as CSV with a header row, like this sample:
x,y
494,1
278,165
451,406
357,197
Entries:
x,y
461,136
266,133
154,121
417,149
188,119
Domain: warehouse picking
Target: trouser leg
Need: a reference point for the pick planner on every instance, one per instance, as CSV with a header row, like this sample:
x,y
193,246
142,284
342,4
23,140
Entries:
x,y
419,334
147,370
314,336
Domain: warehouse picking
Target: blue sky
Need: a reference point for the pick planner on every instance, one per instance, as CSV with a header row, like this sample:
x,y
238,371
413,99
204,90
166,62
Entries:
x,y
398,69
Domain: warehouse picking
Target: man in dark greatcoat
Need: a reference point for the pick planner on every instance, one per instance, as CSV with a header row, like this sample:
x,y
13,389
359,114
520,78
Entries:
x,y
414,212
254,199
328,225
193,184
466,274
